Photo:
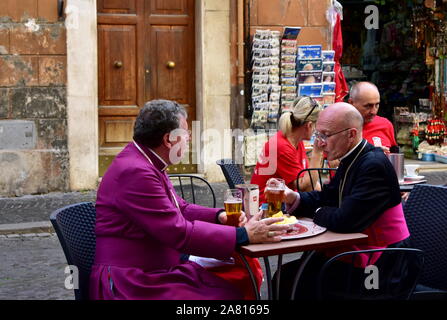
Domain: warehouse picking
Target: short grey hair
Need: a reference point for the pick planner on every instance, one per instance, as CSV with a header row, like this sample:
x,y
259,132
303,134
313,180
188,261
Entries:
x,y
155,119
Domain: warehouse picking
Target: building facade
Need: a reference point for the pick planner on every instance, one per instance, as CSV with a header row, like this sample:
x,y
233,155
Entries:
x,y
73,78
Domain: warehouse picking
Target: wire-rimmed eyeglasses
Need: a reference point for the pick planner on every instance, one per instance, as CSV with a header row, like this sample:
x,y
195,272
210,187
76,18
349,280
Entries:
x,y
323,137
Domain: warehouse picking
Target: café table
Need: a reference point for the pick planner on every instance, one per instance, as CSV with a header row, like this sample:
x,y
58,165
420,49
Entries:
x,y
308,246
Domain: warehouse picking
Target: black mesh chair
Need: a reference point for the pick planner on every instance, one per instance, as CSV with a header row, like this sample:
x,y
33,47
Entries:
x,y
194,189
324,174
398,270
231,172
75,228
426,215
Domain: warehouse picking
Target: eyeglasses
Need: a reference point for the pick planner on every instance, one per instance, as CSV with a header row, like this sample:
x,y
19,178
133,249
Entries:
x,y
314,105
323,137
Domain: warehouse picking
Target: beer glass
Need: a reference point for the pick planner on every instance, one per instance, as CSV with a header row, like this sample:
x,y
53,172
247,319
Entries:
x,y
274,195
233,206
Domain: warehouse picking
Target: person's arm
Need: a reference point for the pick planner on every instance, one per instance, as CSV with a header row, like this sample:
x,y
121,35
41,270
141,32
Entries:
x,y
315,162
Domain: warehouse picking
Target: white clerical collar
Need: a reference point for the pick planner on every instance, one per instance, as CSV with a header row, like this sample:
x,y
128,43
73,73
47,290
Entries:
x,y
159,158
350,151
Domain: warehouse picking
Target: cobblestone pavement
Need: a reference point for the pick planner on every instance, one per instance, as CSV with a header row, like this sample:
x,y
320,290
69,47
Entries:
x,y
32,268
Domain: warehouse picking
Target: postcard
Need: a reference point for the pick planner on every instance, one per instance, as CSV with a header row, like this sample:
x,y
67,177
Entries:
x,y
328,87
309,52
291,33
328,76
310,64
310,90
328,55
309,76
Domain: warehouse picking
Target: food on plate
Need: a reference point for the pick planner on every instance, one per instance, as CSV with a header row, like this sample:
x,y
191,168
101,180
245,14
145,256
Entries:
x,y
287,218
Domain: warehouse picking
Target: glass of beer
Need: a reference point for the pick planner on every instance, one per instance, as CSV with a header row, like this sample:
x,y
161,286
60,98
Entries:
x,y
233,206
274,195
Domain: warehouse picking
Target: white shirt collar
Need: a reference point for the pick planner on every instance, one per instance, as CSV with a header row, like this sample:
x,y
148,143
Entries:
x,y
350,151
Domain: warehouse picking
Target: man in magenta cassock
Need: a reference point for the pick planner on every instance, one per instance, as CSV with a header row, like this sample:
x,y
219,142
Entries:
x,y
144,229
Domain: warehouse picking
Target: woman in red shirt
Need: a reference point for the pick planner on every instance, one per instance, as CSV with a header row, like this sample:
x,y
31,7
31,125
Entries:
x,y
284,155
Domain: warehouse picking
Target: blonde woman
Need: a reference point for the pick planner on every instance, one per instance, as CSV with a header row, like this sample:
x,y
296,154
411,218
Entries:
x,y
284,155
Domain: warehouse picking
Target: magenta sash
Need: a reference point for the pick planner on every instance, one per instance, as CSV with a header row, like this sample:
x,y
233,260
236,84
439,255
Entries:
x,y
389,228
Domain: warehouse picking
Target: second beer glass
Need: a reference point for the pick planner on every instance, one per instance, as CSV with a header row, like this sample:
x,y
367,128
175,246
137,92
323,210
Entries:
x,y
233,206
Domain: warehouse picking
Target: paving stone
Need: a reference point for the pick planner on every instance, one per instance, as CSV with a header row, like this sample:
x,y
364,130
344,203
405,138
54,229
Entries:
x,y
29,235
44,234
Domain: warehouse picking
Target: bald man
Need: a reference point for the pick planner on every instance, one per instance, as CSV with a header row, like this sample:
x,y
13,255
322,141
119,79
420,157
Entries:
x,y
378,131
363,196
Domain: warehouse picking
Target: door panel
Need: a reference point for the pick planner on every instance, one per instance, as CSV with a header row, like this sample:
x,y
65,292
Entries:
x,y
117,6
117,65
136,40
169,7
169,83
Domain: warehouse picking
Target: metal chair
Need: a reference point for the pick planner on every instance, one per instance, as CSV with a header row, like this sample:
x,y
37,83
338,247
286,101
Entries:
x,y
322,173
398,270
75,229
231,172
426,215
192,187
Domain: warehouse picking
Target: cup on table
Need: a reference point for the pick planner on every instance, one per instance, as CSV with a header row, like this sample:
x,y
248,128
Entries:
x,y
233,206
410,170
274,195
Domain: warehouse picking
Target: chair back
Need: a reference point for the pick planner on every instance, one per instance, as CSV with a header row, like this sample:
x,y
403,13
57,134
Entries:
x,y
426,215
393,277
75,229
231,172
324,174
194,189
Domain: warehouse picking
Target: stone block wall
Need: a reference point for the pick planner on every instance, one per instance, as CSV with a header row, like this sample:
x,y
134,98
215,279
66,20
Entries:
x,y
33,98
310,15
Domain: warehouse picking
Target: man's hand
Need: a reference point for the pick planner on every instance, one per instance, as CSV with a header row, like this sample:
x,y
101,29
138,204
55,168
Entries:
x,y
290,196
265,230
223,218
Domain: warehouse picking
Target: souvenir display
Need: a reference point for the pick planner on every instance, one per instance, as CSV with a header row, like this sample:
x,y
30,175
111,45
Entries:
x,y
266,87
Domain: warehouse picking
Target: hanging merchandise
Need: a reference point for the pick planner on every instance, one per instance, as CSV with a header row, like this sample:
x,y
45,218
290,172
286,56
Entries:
x,y
334,15
435,131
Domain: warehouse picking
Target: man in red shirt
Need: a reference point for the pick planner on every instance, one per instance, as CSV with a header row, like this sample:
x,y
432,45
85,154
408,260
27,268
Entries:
x,y
377,130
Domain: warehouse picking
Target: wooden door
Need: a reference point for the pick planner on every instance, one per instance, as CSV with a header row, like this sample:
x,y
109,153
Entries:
x,y
145,51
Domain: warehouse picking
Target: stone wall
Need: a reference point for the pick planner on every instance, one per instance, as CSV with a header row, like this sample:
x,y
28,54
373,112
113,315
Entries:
x,y
33,102
310,15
